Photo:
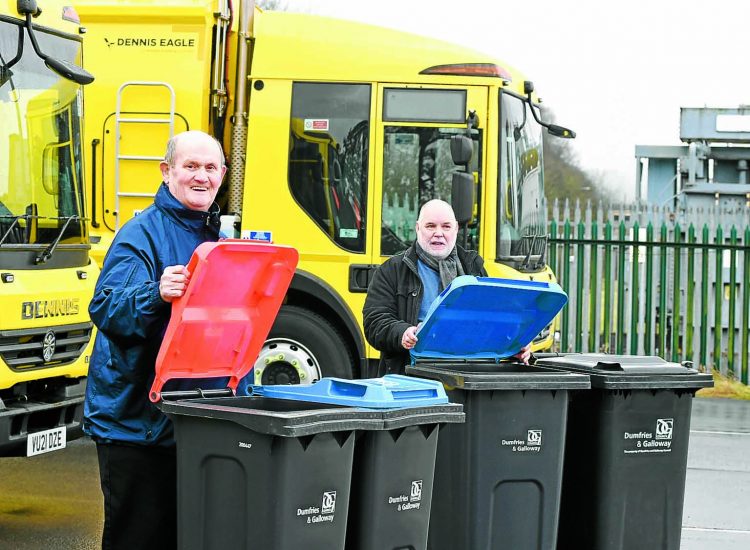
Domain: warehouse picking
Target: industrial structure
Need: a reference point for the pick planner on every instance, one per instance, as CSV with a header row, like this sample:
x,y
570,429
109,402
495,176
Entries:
x,y
709,170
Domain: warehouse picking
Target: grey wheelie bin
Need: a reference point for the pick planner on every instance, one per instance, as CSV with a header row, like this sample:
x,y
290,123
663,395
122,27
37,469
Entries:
x,y
498,476
392,477
626,452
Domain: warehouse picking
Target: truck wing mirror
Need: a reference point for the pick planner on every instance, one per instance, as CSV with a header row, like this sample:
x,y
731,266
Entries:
x,y
65,69
560,131
461,150
68,70
552,129
462,197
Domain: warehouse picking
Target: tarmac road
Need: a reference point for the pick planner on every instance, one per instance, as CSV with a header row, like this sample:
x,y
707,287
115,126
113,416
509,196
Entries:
x,y
717,490
53,500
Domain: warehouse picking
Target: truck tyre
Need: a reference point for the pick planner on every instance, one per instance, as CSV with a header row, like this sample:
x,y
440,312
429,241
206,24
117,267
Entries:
x,y
301,348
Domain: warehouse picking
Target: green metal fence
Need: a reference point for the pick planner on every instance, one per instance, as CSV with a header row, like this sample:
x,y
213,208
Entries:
x,y
654,281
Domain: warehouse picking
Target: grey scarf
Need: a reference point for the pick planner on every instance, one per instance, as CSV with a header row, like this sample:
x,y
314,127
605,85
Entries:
x,y
449,268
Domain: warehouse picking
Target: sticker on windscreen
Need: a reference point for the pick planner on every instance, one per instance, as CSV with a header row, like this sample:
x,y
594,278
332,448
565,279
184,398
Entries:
x,y
316,125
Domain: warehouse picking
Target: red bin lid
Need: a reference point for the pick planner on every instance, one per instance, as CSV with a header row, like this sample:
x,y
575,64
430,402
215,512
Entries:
x,y
219,325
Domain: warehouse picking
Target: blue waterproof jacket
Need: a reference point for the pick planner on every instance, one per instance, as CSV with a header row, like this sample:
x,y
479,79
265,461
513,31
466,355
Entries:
x,y
132,318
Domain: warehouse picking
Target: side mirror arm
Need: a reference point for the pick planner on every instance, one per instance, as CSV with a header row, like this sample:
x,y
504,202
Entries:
x,y
553,129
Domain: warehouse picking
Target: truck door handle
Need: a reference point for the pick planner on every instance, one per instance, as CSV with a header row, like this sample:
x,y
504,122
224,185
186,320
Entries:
x,y
360,276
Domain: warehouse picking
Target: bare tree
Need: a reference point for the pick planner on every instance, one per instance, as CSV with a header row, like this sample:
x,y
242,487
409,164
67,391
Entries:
x,y
564,177
272,5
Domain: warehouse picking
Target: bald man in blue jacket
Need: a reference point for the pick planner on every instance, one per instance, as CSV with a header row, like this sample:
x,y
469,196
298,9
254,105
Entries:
x,y
143,271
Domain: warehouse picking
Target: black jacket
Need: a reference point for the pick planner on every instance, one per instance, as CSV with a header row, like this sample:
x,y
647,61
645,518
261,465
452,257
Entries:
x,y
392,304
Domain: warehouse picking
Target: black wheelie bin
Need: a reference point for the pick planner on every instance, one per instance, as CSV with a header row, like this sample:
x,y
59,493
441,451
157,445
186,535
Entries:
x,y
394,464
626,452
258,472
252,472
498,476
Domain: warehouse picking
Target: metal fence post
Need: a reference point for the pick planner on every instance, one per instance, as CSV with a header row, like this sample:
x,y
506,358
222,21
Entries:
x,y
718,299
746,308
704,297
606,275
676,289
732,300
634,292
648,329
690,301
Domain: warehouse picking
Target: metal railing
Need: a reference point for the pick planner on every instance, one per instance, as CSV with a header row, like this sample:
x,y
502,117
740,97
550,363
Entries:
x,y
645,280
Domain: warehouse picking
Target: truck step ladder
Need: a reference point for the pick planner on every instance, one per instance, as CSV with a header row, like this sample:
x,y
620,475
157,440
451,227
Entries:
x,y
120,120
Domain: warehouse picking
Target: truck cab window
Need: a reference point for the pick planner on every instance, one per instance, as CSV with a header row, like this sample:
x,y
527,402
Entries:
x,y
417,167
329,139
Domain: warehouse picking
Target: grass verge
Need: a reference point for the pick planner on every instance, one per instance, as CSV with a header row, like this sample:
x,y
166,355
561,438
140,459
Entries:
x,y
727,387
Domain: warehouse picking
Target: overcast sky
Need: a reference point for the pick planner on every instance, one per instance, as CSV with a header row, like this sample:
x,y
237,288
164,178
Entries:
x,y
617,72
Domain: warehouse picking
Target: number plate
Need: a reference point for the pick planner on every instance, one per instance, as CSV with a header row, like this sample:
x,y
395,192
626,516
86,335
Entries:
x,y
46,441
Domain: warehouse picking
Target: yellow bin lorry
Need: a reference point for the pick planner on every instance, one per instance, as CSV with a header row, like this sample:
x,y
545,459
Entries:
x,y
46,275
336,133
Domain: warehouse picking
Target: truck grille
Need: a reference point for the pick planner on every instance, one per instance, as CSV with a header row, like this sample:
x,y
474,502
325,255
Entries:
x,y
45,347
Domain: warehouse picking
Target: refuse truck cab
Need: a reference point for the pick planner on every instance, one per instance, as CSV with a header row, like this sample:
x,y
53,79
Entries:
x,y
46,275
336,133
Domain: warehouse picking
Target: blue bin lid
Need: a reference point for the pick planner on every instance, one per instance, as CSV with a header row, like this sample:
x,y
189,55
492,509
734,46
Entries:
x,y
486,318
390,391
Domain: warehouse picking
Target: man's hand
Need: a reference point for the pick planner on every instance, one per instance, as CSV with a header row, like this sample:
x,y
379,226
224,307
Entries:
x,y
409,339
524,355
173,282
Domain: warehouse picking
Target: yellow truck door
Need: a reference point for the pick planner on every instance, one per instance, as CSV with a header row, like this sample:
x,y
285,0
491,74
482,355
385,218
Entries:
x,y
412,140
413,164
306,184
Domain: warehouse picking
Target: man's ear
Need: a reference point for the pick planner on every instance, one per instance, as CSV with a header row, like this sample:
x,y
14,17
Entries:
x,y
164,167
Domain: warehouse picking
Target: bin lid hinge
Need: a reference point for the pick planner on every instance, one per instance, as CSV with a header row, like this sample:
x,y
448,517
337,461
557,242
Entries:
x,y
196,393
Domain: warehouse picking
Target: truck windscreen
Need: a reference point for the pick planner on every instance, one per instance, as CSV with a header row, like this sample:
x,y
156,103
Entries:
x,y
40,142
521,219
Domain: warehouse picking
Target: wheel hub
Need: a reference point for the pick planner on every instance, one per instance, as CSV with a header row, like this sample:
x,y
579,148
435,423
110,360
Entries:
x,y
284,361
280,373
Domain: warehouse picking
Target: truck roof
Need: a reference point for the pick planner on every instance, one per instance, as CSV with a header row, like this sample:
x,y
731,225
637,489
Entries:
x,y
311,47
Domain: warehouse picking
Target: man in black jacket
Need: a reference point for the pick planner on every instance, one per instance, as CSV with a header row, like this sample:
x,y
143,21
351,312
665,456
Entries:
x,y
403,288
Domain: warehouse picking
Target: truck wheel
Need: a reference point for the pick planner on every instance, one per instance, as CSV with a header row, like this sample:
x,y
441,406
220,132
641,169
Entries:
x,y
301,348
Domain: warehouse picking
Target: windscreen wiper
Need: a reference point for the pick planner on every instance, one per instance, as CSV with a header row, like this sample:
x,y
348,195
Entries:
x,y
525,262
46,254
543,255
13,224
527,259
